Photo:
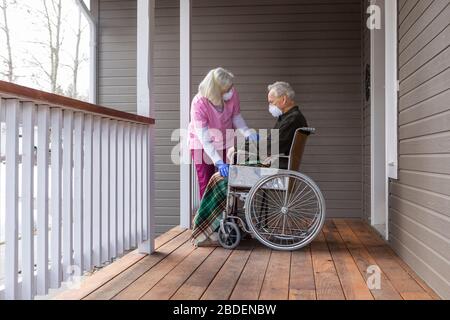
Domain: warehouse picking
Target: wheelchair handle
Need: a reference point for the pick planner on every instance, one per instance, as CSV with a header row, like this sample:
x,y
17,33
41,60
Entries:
x,y
308,129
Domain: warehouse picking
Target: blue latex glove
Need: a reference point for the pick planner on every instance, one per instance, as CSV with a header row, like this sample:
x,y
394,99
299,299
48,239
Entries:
x,y
253,137
223,168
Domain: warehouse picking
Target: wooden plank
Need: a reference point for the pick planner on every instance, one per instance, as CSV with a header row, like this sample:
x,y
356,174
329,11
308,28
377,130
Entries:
x,y
28,123
276,281
149,279
400,279
352,281
166,288
222,285
198,282
411,272
130,275
251,280
301,281
104,275
327,282
364,260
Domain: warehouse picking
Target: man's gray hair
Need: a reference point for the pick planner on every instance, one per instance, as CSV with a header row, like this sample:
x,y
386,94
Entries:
x,y
280,89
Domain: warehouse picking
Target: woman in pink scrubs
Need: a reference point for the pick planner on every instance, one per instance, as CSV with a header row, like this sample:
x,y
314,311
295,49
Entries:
x,y
214,111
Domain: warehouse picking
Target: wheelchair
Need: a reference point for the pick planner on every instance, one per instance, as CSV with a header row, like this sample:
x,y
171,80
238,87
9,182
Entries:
x,y
282,209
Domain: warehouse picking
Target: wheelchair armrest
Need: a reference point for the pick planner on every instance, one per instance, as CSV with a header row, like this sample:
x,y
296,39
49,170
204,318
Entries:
x,y
273,158
238,153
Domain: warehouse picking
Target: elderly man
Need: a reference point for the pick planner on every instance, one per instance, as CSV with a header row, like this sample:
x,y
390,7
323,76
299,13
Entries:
x,y
281,98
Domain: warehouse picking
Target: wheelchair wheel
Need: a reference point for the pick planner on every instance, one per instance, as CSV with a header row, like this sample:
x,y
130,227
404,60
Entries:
x,y
230,236
285,211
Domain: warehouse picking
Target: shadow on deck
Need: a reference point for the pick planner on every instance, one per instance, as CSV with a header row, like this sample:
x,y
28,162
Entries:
x,y
337,265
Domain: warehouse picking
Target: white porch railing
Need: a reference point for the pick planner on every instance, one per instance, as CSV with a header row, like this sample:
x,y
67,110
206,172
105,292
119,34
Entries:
x,y
76,188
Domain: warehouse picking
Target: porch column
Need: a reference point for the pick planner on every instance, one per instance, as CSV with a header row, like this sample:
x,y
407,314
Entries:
x,y
185,101
145,103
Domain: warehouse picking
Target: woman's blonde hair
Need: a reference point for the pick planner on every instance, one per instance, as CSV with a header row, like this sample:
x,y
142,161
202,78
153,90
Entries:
x,y
214,83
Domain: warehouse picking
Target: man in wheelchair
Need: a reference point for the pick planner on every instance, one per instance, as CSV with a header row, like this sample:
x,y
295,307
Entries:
x,y
289,119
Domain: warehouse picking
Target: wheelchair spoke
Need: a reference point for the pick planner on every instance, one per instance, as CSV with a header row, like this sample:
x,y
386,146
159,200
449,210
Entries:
x,y
285,211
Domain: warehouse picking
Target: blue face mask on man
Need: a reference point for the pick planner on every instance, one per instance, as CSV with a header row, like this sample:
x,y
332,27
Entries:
x,y
275,111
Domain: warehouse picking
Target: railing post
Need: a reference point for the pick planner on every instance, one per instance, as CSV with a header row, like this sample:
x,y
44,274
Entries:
x,y
42,199
105,191
88,192
56,196
67,200
12,205
120,188
28,120
78,192
96,196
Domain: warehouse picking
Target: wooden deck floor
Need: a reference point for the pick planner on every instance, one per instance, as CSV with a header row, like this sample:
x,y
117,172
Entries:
x,y
334,266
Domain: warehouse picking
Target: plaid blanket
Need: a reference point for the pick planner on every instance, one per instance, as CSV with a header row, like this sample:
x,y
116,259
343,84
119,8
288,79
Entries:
x,y
208,216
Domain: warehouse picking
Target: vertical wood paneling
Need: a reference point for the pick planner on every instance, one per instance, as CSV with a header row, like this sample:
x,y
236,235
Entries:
x,y
117,54
11,205
56,196
88,193
419,221
27,231
42,199
67,193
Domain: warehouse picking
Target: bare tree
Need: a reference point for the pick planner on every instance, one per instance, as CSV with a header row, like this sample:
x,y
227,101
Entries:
x,y
54,40
8,60
51,17
77,60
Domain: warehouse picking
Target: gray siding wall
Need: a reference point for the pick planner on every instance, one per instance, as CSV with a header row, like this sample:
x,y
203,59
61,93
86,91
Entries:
x,y
420,200
314,45
117,54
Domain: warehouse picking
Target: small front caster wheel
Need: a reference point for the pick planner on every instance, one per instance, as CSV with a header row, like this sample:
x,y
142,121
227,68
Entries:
x,y
229,235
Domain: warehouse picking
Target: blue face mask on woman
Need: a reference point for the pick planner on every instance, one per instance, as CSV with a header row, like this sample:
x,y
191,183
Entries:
x,y
227,96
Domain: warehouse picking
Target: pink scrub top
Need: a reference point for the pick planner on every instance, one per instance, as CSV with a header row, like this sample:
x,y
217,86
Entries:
x,y
204,114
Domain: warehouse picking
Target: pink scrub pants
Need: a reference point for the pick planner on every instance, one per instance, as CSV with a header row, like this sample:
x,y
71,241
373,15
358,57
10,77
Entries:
x,y
205,169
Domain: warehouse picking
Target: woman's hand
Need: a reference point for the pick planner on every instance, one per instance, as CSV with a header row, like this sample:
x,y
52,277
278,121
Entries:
x,y
223,168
